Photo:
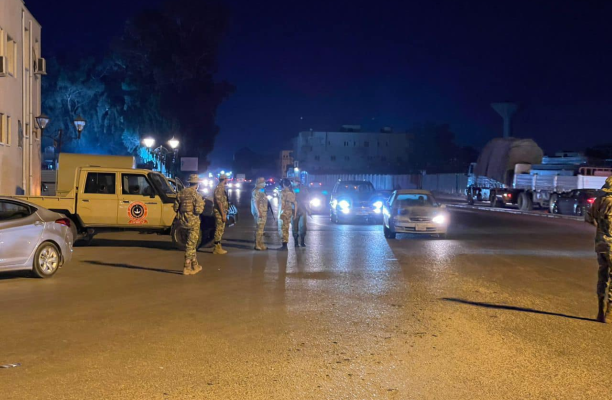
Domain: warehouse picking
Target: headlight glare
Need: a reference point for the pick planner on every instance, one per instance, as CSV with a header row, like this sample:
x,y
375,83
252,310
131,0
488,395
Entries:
x,y
344,204
316,203
378,204
439,219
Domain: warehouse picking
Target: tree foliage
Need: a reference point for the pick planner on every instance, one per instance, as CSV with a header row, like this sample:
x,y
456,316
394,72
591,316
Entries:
x,y
157,79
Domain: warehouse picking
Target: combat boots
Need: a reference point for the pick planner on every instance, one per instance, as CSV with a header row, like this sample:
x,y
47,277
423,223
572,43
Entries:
x,y
284,247
605,313
259,245
303,243
196,267
187,269
296,241
218,249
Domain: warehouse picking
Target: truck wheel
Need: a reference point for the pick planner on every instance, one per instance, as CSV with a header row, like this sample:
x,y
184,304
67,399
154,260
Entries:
x,y
524,202
179,237
388,233
552,204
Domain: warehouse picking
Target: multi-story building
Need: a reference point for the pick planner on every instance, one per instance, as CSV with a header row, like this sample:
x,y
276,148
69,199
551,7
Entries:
x,y
352,151
20,95
286,162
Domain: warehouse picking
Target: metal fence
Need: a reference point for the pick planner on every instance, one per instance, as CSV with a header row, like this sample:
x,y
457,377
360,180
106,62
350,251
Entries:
x,y
380,182
445,183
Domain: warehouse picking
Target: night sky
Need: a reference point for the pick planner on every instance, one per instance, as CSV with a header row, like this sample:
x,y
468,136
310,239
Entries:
x,y
321,64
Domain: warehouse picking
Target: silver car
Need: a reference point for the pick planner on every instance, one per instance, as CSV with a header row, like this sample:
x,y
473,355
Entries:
x,y
414,211
33,238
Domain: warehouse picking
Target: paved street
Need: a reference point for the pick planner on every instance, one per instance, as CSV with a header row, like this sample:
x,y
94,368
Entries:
x,y
503,309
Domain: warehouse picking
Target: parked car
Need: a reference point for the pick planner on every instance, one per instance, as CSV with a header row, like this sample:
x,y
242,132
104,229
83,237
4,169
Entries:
x,y
575,202
33,238
319,200
353,200
414,211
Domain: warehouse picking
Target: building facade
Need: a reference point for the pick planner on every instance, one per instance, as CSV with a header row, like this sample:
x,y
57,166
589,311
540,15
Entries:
x,y
352,151
20,99
286,162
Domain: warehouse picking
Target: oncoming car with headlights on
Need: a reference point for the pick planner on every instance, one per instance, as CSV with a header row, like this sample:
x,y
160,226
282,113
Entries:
x,y
352,200
414,211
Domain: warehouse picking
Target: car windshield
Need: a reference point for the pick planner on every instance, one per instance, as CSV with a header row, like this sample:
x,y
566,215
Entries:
x,y
161,183
350,187
592,193
415,200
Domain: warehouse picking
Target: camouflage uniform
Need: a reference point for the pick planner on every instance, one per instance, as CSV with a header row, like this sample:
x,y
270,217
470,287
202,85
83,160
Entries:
x,y
600,215
188,206
259,209
300,222
221,203
285,212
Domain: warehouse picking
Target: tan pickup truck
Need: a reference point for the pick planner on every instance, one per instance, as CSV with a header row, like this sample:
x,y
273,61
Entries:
x,y
105,193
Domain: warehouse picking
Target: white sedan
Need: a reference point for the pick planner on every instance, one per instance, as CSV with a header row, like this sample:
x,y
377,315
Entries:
x,y
414,211
33,238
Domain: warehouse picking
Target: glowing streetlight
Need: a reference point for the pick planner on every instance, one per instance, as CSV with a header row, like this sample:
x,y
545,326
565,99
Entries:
x,y
42,121
149,142
174,143
79,124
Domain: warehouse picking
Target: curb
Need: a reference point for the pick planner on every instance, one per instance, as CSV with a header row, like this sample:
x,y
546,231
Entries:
x,y
518,212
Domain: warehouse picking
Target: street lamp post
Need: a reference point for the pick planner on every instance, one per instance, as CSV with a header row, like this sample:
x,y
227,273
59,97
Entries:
x,y
174,144
43,120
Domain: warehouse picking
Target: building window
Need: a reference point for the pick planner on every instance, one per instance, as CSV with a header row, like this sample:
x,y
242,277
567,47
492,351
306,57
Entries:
x,y
347,158
346,144
366,144
354,144
329,142
317,158
11,56
333,158
5,129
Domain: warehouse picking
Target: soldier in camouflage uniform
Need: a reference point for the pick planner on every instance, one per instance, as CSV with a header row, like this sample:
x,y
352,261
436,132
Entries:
x,y
188,206
600,215
221,207
287,210
300,222
259,209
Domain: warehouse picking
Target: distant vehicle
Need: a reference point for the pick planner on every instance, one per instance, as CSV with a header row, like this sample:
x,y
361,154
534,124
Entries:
x,y
33,238
319,200
414,211
353,200
514,172
272,189
315,185
577,202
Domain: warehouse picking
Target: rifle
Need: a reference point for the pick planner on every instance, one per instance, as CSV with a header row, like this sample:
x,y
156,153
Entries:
x,y
271,210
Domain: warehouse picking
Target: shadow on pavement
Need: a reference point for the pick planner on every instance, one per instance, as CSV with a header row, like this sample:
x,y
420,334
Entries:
x,y
514,308
128,266
147,244
15,275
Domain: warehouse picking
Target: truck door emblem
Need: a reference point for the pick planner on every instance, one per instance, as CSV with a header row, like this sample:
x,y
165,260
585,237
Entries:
x,y
137,213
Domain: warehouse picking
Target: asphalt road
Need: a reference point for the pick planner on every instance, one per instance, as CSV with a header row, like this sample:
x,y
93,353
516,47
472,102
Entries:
x,y
503,309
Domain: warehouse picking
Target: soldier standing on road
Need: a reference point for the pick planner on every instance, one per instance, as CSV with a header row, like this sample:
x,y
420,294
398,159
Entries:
x,y
600,215
188,206
221,207
259,209
287,209
300,222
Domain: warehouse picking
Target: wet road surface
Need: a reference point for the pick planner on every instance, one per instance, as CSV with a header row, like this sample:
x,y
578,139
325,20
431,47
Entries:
x,y
501,310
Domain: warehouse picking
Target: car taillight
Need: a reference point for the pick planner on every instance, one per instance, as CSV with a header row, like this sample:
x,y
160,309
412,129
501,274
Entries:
x,y
63,221
591,201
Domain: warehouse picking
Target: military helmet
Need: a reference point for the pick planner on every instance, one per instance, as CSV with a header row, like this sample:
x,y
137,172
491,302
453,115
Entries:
x,y
222,177
193,178
260,183
286,182
607,187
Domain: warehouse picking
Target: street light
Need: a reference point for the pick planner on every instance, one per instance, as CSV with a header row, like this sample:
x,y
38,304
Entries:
x,y
79,124
174,143
149,142
42,121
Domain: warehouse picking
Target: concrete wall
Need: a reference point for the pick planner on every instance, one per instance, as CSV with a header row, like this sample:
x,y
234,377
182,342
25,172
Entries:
x,y
20,93
350,151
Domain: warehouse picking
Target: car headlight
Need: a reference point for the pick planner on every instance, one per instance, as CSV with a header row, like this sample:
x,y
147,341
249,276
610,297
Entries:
x,y
439,219
378,204
316,202
230,185
344,205
238,186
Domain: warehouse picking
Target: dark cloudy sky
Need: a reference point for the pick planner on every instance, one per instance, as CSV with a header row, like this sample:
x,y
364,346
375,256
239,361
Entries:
x,y
320,64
